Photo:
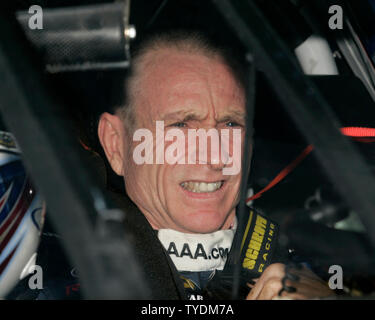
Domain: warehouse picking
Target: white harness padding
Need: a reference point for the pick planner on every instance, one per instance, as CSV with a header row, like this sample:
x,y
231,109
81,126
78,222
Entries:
x,y
197,252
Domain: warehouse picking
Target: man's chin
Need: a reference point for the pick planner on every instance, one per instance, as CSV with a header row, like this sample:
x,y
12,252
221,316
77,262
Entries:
x,y
200,226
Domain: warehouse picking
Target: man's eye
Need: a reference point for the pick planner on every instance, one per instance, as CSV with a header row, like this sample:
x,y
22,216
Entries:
x,y
233,124
178,124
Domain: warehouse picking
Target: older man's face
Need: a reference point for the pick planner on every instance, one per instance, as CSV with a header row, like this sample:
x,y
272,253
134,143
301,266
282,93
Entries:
x,y
186,92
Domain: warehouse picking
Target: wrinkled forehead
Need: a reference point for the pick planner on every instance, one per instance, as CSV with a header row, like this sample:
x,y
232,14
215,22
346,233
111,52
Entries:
x,y
174,79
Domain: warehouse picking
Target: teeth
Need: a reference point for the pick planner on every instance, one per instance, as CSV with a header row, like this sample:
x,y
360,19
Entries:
x,y
211,187
200,187
203,187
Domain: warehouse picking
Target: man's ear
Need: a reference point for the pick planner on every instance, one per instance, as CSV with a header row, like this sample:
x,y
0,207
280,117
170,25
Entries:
x,y
112,137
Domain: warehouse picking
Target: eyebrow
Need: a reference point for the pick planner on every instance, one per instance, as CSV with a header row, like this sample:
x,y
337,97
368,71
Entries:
x,y
183,115
232,115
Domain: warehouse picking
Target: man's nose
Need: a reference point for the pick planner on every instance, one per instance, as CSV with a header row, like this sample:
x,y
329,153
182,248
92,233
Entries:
x,y
209,148
217,158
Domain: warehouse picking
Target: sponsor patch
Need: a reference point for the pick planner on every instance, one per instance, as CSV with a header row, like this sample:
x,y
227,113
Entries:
x,y
197,252
258,243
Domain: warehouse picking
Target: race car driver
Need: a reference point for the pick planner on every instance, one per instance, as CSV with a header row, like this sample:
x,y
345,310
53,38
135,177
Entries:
x,y
183,82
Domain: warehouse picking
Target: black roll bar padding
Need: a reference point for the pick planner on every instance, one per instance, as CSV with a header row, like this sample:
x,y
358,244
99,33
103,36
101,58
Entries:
x,y
307,107
91,226
246,160
80,38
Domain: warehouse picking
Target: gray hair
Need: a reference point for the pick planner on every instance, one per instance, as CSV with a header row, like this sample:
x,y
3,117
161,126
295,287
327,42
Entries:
x,y
182,41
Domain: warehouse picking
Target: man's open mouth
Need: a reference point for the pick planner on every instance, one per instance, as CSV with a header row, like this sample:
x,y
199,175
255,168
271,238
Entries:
x,y
202,187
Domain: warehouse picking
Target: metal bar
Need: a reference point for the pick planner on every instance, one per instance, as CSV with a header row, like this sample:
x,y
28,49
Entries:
x,y
243,210
92,233
356,63
307,107
88,37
